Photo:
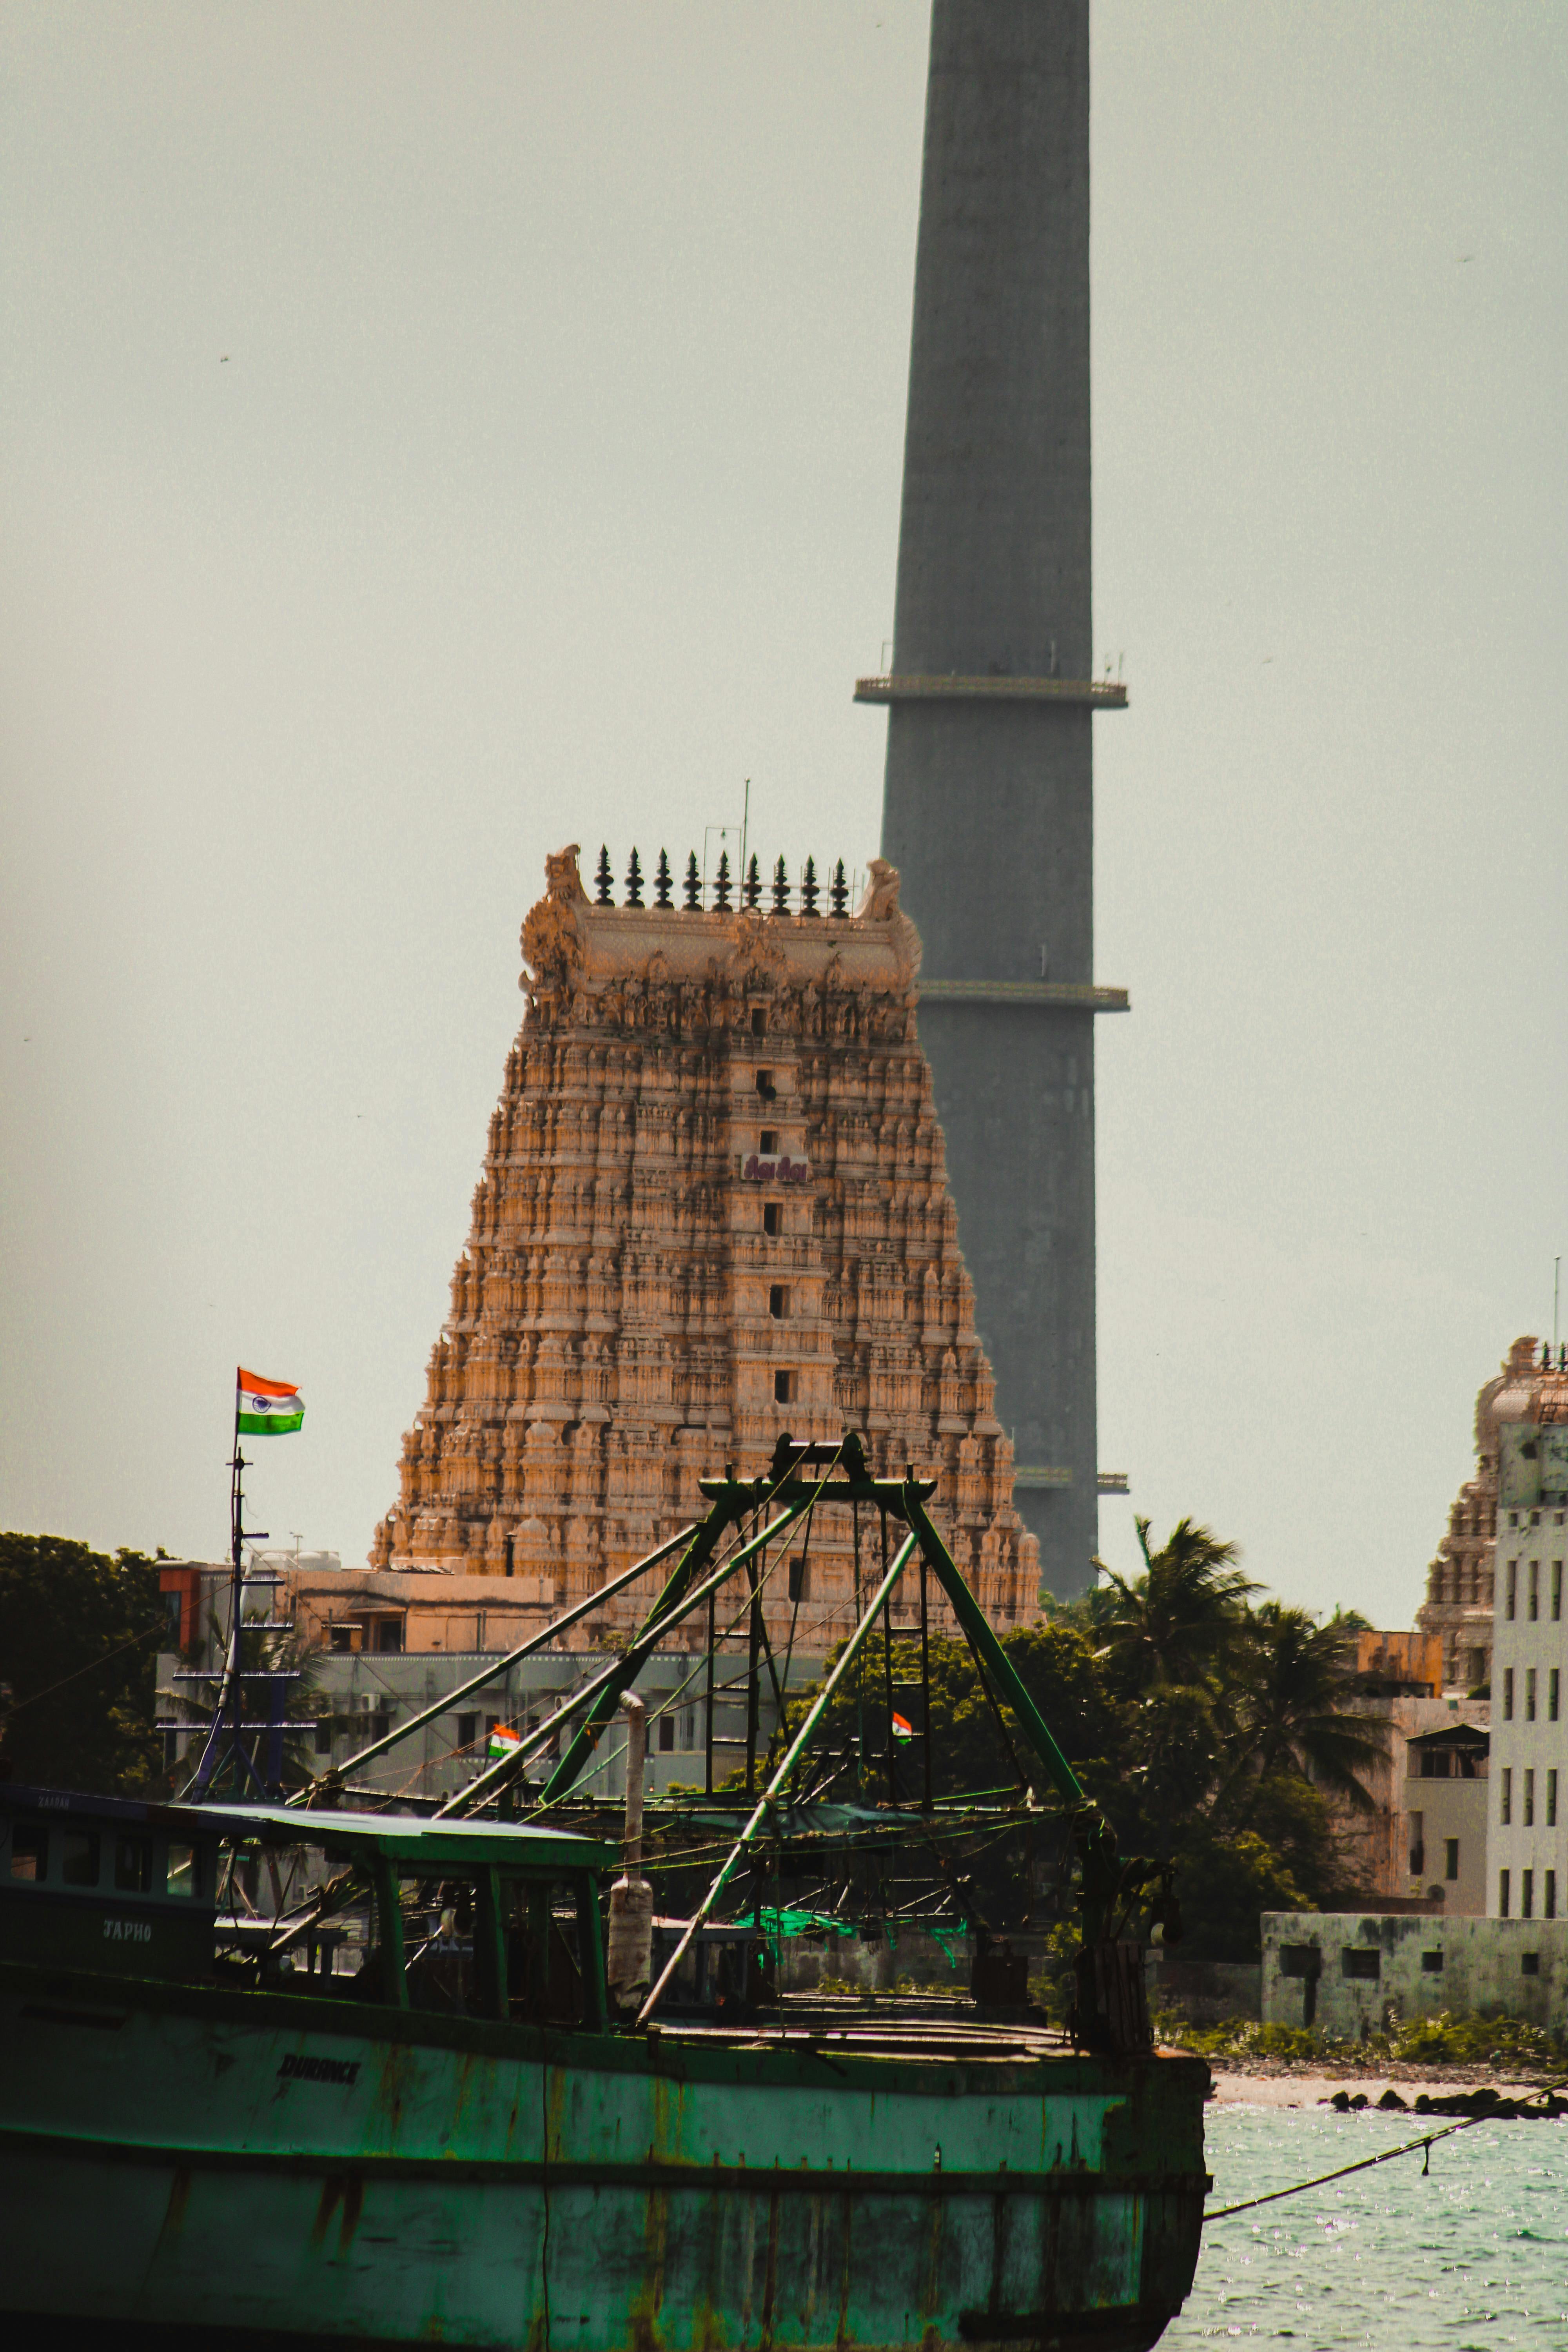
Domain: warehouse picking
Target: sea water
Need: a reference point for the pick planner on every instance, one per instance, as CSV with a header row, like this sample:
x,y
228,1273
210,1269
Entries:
x,y
1471,2257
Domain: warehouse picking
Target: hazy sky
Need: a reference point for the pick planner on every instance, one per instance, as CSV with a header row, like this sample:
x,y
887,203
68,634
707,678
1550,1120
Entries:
x,y
432,433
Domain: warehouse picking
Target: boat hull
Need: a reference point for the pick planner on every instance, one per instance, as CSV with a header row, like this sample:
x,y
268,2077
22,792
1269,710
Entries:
x,y
181,2156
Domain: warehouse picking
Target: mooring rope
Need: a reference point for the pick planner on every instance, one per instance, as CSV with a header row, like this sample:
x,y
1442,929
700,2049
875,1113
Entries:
x,y
1364,2164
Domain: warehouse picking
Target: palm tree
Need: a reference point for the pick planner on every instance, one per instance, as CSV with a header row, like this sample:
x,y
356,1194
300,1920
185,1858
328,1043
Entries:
x,y
1293,1712
1177,1621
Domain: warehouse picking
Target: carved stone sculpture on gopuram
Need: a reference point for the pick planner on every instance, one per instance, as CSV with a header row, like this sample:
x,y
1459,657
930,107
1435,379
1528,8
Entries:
x,y
713,1210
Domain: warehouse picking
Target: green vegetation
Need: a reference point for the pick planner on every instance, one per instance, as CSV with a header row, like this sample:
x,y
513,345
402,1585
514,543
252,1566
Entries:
x,y
1239,1732
79,1635
1440,2040
1476,2041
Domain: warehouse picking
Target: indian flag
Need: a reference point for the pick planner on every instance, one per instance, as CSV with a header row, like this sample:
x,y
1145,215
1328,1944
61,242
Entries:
x,y
902,1727
266,1408
502,1741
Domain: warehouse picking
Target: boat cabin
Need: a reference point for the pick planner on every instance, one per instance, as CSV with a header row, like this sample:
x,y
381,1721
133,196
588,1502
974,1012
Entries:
x,y
726,1974
478,1919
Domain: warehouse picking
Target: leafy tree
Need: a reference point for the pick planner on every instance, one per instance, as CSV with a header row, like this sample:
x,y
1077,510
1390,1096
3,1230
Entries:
x,y
1297,1822
1177,1622
1226,1882
78,1637
1292,1712
1162,1774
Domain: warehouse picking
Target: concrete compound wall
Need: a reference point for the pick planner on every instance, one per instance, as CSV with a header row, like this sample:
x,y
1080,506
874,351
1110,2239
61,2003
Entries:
x,y
1485,1970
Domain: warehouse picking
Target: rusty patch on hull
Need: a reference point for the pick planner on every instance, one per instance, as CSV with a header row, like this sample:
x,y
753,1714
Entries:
x,y
342,2193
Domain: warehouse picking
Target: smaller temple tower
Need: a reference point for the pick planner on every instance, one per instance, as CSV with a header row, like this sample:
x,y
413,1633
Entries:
x,y
1461,1580
713,1210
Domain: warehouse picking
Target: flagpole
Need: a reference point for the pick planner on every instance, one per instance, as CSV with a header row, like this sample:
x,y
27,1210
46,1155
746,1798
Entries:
x,y
210,1764
245,1768
237,1586
231,1687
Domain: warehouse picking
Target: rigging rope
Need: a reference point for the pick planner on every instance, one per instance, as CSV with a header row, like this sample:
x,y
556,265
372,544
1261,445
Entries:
x,y
1364,2164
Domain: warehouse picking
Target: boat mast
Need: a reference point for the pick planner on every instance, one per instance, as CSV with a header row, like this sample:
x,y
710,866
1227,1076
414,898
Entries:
x,y
231,1689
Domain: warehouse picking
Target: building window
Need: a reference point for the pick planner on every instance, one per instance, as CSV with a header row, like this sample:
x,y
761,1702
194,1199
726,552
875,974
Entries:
x,y
1534,1590
1502,1894
1556,1590
1451,1858
1508,1695
1529,1695
1418,1844
799,1579
765,1086
1552,1798
1512,1575
770,1143
758,1021
1298,1959
29,1852
183,1872
1431,1964
667,1734
78,1862
784,1387
778,1301
323,1734
1362,1961
1529,1798
1505,1800
389,1633
773,1217
1553,1693
467,1730
1549,1897
133,1865
1528,1962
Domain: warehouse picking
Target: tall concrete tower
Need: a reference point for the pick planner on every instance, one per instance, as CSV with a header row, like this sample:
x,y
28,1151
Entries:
x,y
988,805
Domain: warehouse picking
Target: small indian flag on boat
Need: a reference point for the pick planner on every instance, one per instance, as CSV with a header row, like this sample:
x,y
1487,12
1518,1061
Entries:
x,y
503,1739
902,1727
266,1408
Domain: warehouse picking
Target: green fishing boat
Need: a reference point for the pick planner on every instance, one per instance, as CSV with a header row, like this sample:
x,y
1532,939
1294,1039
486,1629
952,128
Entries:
x,y
409,2090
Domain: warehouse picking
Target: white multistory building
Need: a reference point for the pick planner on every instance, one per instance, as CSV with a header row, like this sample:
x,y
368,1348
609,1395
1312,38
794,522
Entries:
x,y
1527,1824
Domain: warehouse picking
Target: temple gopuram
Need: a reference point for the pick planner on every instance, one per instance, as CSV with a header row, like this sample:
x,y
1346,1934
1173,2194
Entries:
x,y
713,1210
1460,1581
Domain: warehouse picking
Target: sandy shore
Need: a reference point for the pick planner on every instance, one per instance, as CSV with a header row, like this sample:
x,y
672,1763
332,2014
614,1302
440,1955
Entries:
x,y
1309,2090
